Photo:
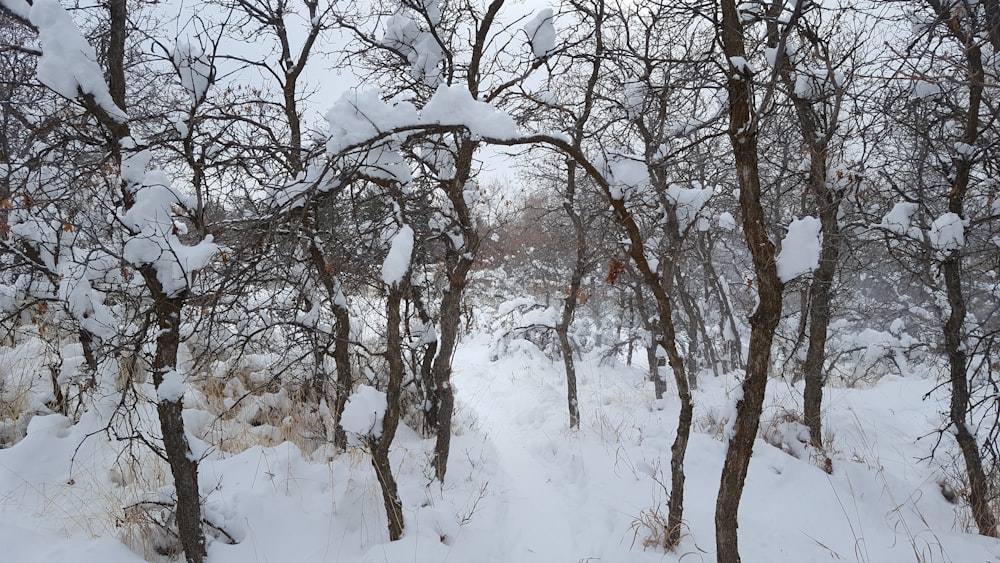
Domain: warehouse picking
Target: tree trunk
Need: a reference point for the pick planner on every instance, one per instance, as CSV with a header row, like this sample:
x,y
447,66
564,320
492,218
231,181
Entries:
x,y
451,316
345,380
571,393
342,341
573,296
979,485
820,295
764,321
458,263
381,445
183,464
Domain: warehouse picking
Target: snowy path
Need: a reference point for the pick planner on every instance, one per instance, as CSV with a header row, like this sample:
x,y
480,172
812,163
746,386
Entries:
x,y
536,501
557,486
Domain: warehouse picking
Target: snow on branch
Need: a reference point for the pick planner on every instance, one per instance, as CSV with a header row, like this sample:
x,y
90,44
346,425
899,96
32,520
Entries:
x,y
800,249
366,133
154,233
68,64
541,34
397,262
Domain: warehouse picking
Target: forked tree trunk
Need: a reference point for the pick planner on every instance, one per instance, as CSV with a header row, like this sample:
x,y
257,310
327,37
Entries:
x,y
381,445
979,486
764,321
342,341
458,263
816,131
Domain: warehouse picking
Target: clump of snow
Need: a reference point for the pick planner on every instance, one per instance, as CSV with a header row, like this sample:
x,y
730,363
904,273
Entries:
x,y
424,60
800,249
154,239
726,221
401,32
194,70
397,262
360,118
741,65
898,220
947,233
68,64
547,317
171,389
626,175
541,34
507,307
421,48
453,105
363,413
688,202
966,150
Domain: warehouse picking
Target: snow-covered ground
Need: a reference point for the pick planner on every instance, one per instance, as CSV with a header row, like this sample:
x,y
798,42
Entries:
x,y
521,486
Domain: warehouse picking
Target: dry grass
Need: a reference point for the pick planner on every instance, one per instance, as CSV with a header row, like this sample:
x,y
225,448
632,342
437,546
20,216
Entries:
x,y
651,526
17,385
257,417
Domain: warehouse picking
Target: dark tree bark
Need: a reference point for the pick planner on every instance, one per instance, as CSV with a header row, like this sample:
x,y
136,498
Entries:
x,y
380,446
954,347
820,296
816,132
562,330
167,311
341,346
183,464
458,262
345,379
764,321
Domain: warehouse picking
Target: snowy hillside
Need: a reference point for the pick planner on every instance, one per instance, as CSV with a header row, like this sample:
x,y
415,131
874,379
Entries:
x,y
523,487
